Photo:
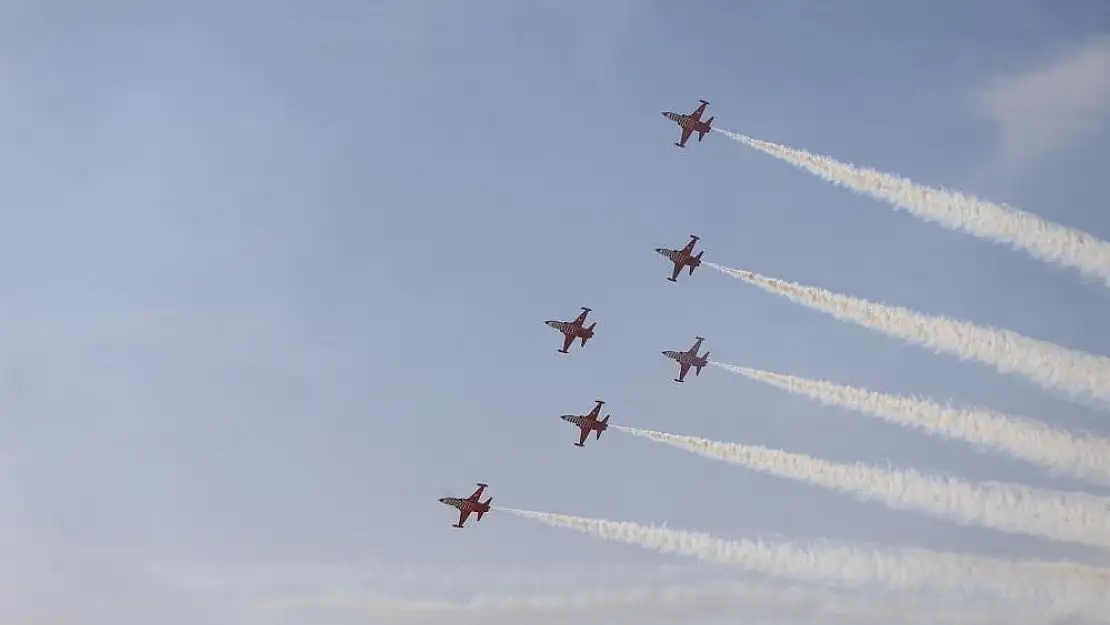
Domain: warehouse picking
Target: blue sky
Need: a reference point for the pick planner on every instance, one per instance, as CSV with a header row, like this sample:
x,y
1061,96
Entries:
x,y
274,276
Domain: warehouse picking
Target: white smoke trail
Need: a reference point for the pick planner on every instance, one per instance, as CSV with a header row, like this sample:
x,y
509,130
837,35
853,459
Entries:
x,y
999,223
1057,450
658,604
1058,587
1049,365
1012,508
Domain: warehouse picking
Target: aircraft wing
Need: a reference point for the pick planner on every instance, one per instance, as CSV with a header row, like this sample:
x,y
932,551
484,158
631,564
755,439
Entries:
x,y
677,270
580,318
567,340
689,246
477,493
696,115
463,514
685,135
597,408
583,436
683,368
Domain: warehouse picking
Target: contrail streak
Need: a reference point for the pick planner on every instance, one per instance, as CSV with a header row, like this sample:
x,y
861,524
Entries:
x,y
999,223
1054,449
657,604
1049,365
1010,508
1056,586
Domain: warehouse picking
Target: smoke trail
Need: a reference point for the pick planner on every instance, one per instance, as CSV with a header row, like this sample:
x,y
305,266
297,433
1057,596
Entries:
x,y
1044,240
1010,508
1035,442
1056,586
658,604
1049,365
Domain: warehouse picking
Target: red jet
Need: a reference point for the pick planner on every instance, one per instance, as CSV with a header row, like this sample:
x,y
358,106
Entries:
x,y
689,358
573,330
691,123
468,505
682,258
588,422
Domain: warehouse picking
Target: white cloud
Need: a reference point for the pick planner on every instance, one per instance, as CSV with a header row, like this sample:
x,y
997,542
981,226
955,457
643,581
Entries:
x,y
717,601
1056,102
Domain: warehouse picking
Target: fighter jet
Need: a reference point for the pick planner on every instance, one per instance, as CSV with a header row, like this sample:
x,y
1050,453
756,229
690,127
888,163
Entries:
x,y
682,258
689,358
691,123
588,422
573,330
468,505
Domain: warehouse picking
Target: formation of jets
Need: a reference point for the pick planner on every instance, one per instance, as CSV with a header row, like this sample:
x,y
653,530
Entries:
x,y
577,329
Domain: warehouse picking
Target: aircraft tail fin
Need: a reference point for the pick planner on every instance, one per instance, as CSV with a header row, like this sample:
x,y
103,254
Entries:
x,y
709,126
591,329
705,357
482,512
605,421
695,265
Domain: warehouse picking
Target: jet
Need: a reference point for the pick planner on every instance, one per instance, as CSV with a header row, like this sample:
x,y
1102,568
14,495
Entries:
x,y
682,258
468,505
689,358
691,123
573,330
588,422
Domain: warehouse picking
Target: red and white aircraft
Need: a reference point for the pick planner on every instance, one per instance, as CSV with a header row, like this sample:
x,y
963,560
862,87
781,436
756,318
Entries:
x,y
468,505
689,358
691,123
682,258
573,330
588,422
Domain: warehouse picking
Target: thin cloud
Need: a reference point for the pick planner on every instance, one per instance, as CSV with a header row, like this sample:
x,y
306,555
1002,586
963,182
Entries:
x,y
1054,103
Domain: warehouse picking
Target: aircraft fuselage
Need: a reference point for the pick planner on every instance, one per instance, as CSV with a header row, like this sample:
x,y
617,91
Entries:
x,y
569,328
686,358
583,421
455,502
687,122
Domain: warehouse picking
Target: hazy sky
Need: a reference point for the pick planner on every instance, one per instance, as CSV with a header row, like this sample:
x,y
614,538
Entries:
x,y
273,276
